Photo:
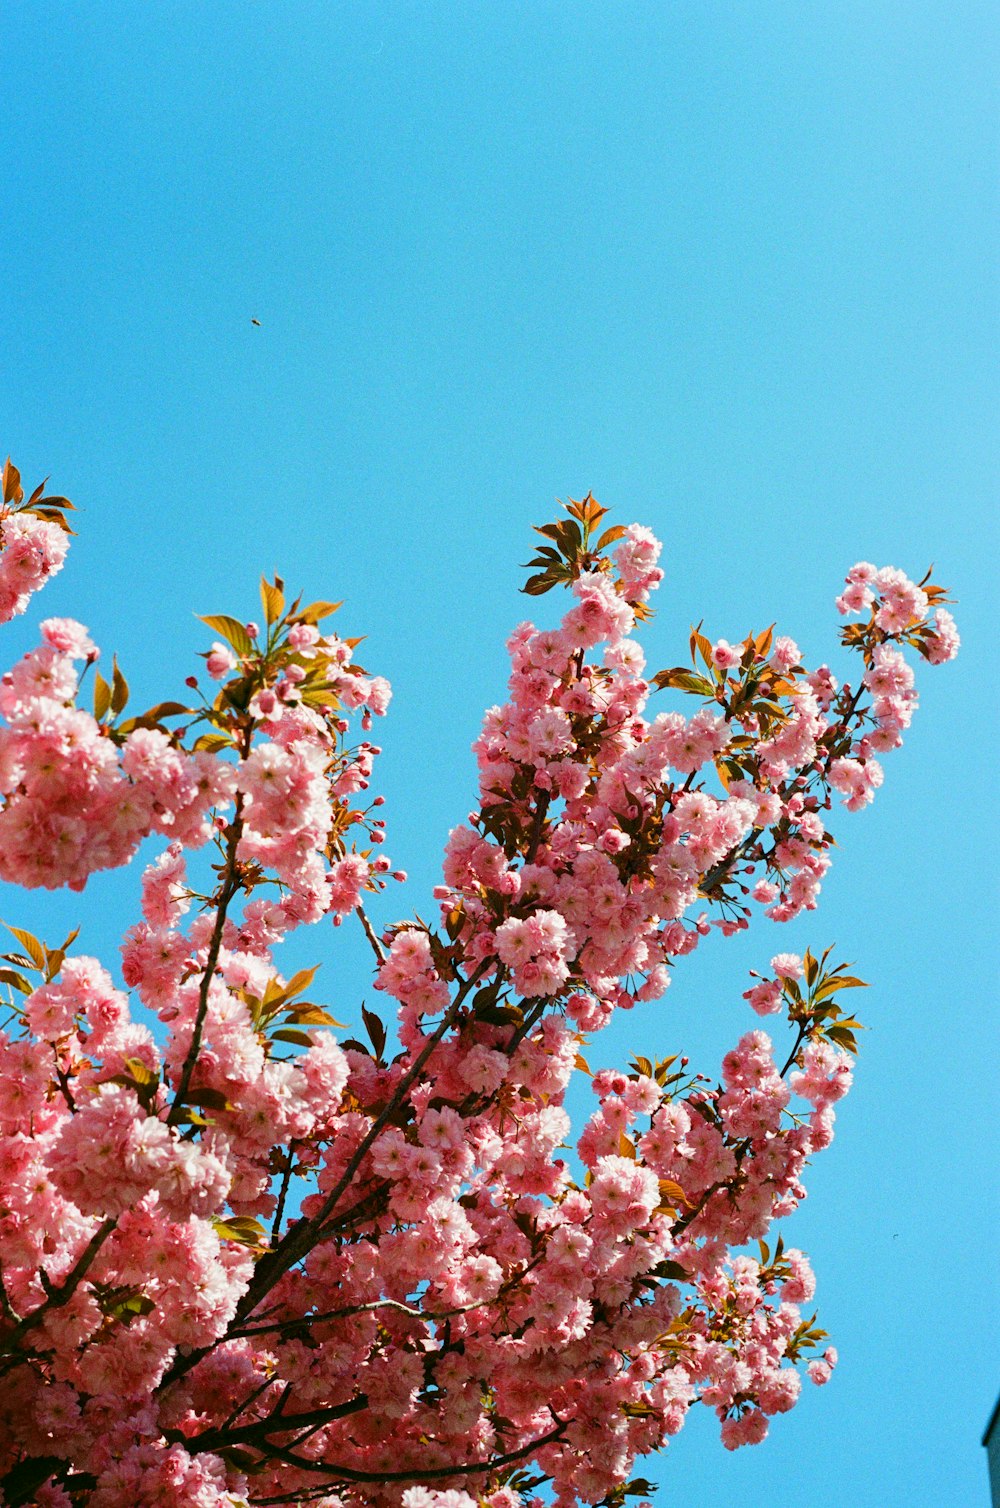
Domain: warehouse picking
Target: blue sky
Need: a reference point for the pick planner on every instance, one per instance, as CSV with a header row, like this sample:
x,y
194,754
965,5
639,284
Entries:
x,y
733,268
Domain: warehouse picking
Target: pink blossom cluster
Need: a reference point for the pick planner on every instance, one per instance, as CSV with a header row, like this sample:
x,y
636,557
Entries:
x,y
899,605
31,550
73,802
243,1262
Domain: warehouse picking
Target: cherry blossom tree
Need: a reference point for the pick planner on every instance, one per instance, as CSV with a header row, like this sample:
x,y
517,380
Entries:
x,y
245,1259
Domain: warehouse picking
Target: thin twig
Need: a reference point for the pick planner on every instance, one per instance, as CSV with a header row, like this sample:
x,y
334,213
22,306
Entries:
x,y
299,1239
418,1474
377,947
61,1293
230,886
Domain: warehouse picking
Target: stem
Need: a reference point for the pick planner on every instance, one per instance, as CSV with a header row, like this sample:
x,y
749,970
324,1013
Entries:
x,y
418,1474
64,1291
256,1434
742,1149
230,886
300,1238
286,1179
377,947
541,807
803,1033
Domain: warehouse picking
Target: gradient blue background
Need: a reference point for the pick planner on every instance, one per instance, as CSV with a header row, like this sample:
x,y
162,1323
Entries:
x,y
730,266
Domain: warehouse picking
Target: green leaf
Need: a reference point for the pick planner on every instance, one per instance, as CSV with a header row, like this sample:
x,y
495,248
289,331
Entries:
x,y
231,630
703,646
102,696
17,981
319,696
316,611
119,688
53,963
500,1015
671,1270
672,1193
683,680
11,482
161,710
30,943
125,1304
311,1015
209,1099
300,981
762,643
52,516
241,1228
843,1038
273,598
139,1071
289,1034
610,536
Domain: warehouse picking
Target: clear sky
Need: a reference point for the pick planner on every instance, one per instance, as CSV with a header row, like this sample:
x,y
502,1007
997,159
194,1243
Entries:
x,y
733,268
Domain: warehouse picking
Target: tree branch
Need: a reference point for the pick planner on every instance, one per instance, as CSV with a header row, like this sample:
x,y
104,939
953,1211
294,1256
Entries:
x,y
377,947
230,886
418,1474
62,1293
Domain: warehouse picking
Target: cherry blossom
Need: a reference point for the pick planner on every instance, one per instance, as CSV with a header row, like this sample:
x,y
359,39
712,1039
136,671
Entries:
x,y
248,1257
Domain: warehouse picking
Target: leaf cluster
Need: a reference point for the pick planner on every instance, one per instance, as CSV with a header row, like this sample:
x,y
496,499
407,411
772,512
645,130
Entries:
x,y
52,508
245,1230
866,637
751,691
572,548
282,1003
816,1008
262,662
37,958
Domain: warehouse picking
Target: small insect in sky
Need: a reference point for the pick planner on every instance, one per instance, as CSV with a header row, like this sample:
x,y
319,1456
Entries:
x,y
255,322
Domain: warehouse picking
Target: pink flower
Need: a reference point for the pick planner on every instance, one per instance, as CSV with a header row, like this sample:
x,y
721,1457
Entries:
x,y
785,653
787,965
220,661
725,655
303,637
745,1429
858,782
69,637
821,1370
943,643
765,997
636,559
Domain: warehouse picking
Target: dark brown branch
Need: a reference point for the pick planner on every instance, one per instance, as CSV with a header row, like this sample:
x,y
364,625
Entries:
x,y
277,1422
300,1239
230,886
286,1179
377,947
541,807
61,1293
418,1474
302,1236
